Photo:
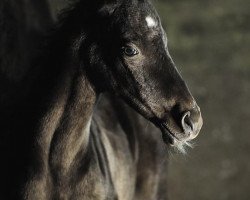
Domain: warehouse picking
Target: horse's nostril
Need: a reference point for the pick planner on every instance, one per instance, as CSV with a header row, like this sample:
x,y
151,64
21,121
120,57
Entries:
x,y
186,123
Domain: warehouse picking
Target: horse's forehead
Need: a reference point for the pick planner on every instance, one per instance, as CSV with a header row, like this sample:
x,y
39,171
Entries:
x,y
148,25
139,20
137,12
151,21
147,19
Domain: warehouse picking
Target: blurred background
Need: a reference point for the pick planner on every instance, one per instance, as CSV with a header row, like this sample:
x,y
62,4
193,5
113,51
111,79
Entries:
x,y
210,43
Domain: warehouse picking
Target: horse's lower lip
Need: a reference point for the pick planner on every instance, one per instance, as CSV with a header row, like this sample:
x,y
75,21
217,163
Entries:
x,y
168,138
167,135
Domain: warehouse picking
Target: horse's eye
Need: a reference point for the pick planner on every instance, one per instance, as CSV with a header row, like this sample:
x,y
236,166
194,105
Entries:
x,y
130,51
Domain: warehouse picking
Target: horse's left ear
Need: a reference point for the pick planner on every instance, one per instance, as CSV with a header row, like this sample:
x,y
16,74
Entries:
x,y
108,6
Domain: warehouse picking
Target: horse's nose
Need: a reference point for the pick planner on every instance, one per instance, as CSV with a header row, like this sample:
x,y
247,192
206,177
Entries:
x,y
191,122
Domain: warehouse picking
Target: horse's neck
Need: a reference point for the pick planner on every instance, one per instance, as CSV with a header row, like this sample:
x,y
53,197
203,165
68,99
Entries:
x,y
61,110
72,132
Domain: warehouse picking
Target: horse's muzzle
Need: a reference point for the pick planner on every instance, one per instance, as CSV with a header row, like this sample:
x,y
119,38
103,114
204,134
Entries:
x,y
182,126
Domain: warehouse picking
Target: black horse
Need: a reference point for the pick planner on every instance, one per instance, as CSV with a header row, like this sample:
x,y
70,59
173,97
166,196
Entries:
x,y
73,136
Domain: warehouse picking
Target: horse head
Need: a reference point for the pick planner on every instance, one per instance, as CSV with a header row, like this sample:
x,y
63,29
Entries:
x,y
125,52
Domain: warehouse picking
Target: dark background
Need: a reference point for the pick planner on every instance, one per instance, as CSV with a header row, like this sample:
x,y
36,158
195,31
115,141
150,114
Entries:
x,y
210,43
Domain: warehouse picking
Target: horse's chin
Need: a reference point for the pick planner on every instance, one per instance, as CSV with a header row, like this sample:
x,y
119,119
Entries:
x,y
170,139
